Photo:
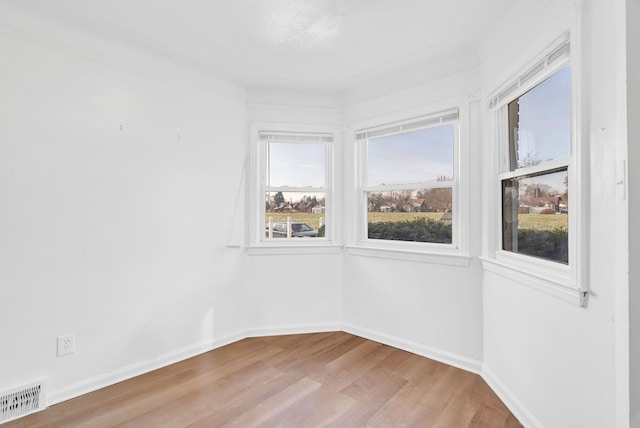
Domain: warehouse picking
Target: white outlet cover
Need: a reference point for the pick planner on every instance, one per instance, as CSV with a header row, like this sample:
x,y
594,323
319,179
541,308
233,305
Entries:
x,y
66,344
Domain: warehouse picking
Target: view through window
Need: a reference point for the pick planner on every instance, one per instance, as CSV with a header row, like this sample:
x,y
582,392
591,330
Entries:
x,y
295,186
535,192
409,181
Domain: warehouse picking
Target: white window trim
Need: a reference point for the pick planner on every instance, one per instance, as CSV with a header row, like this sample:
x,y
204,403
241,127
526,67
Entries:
x,y
456,253
566,282
256,244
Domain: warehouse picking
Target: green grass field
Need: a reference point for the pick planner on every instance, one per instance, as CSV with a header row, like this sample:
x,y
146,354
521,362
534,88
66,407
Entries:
x,y
543,221
526,221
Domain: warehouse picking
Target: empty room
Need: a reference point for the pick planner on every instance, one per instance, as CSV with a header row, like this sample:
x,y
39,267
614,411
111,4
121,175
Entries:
x,y
303,213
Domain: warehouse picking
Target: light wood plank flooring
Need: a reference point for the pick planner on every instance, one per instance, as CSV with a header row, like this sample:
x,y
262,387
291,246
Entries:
x,y
308,380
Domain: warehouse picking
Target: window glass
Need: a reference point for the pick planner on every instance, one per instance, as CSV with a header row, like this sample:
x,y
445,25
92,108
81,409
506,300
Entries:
x,y
411,157
410,215
535,206
304,212
540,122
295,165
296,185
535,215
409,181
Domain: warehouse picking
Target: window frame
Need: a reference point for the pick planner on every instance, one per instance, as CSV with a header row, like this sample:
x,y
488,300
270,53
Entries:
x,y
455,253
565,281
256,242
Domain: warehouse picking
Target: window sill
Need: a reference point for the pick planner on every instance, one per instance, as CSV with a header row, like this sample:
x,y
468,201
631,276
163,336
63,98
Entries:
x,y
293,249
410,255
559,288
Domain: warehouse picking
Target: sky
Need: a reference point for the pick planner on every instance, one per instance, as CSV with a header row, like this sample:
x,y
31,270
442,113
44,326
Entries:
x,y
412,157
545,126
296,165
545,119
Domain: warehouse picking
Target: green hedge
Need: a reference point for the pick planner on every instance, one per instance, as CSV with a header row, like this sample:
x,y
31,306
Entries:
x,y
547,244
418,230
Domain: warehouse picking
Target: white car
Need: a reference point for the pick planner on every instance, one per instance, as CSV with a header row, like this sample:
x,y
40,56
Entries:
x,y
298,230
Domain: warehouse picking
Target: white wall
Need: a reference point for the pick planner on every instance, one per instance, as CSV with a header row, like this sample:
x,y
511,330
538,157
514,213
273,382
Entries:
x,y
117,200
553,360
633,124
432,309
461,84
294,292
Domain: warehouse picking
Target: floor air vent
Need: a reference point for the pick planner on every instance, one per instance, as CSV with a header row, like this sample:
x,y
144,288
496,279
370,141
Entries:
x,y
22,401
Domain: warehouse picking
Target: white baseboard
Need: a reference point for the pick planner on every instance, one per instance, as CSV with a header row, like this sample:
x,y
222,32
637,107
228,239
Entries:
x,y
519,410
136,369
455,360
293,329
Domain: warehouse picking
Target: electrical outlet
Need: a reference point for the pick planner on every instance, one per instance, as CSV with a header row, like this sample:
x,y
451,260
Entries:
x,y
66,344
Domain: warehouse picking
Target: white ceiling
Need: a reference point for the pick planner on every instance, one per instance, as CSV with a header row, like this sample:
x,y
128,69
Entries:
x,y
315,44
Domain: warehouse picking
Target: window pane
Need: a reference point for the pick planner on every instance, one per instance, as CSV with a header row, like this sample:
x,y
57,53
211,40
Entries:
x,y
295,165
302,213
540,122
535,212
411,157
410,215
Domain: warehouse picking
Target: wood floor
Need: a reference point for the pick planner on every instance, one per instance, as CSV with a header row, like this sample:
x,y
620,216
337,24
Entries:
x,y
311,380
